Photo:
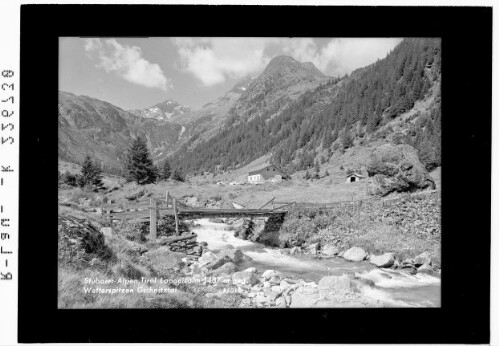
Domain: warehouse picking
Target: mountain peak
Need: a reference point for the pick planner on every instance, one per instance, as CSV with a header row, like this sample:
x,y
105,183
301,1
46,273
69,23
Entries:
x,y
165,110
287,64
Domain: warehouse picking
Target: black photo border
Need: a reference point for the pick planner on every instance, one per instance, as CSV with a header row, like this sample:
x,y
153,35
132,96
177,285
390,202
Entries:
x,y
466,34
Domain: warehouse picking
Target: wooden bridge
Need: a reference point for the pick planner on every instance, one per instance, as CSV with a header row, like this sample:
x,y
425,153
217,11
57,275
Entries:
x,y
153,210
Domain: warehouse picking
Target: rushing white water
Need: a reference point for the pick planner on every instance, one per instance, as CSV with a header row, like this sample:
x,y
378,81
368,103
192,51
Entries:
x,y
393,287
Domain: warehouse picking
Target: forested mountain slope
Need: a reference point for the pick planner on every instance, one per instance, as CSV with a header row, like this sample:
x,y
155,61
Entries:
x,y
334,115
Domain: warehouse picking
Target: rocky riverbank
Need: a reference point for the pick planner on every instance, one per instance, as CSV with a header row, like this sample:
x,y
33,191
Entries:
x,y
273,289
401,230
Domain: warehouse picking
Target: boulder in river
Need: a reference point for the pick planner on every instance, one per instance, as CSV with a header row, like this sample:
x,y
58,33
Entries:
x,y
425,268
423,258
330,250
218,263
385,260
313,249
355,254
234,254
397,168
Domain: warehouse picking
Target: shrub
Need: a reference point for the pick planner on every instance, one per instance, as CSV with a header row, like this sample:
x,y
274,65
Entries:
x,y
178,175
78,196
295,232
133,231
216,198
69,179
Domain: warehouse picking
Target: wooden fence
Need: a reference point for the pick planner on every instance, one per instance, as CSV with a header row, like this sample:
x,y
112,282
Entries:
x,y
145,211
151,211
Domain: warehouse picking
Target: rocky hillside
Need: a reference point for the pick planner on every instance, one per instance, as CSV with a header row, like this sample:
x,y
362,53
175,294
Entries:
x,y
168,110
88,126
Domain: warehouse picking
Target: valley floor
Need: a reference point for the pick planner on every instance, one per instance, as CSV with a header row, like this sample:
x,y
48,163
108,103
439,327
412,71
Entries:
x,y
405,226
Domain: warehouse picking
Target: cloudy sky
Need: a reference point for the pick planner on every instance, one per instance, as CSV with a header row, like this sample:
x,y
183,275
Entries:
x,y
140,72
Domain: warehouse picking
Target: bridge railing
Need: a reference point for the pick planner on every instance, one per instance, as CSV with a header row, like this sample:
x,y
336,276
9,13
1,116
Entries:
x,y
151,211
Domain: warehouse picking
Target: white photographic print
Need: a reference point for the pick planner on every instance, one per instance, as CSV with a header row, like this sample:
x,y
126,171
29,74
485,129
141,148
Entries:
x,y
213,172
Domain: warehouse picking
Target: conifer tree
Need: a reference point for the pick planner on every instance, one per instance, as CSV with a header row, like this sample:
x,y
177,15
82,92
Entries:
x,y
346,139
138,165
91,174
166,170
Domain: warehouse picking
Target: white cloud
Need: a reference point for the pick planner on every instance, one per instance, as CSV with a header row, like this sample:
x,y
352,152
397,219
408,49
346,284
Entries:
x,y
213,60
340,55
127,62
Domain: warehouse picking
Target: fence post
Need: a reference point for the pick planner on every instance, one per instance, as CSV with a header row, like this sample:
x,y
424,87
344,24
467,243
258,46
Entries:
x,y
158,207
103,201
153,220
176,215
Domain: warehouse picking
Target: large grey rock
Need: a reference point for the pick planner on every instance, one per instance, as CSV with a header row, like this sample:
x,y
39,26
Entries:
x,y
107,231
330,250
310,296
425,268
207,257
383,261
335,283
304,297
251,270
313,249
244,278
133,195
268,274
226,269
397,168
355,254
234,254
423,258
280,302
218,263
80,242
